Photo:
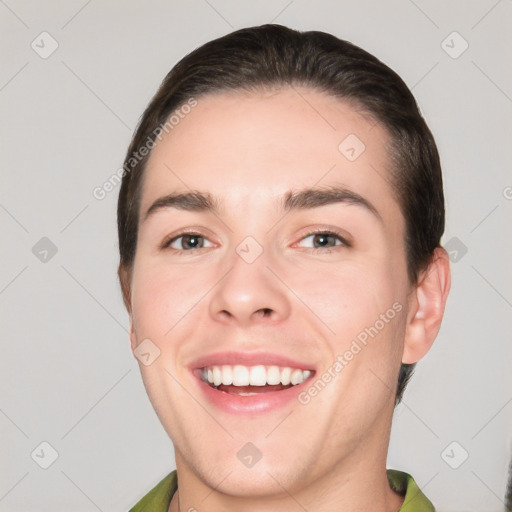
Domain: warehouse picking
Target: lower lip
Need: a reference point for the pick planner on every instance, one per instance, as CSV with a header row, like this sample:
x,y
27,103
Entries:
x,y
252,404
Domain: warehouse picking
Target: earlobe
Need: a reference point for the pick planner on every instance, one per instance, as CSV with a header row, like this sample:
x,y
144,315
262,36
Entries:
x,y
426,307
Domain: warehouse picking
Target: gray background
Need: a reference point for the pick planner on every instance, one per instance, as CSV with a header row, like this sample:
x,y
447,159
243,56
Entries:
x,y
68,377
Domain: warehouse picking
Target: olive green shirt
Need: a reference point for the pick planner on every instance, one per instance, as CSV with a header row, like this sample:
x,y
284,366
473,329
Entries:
x,y
159,498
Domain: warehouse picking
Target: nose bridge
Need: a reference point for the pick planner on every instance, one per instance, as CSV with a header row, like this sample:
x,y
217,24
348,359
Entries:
x,y
249,290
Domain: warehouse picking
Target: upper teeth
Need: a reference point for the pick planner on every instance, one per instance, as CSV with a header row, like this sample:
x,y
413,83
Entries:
x,y
260,375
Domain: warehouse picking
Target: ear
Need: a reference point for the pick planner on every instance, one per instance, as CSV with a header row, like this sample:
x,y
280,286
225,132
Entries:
x,y
426,307
124,274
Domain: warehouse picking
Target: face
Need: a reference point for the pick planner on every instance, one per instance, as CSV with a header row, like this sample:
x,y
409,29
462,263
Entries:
x,y
272,281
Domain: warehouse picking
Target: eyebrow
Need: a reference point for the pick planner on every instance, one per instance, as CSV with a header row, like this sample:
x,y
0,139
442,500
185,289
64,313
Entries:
x,y
189,201
292,201
316,197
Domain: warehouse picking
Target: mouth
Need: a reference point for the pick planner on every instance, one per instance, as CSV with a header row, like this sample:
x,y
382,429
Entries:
x,y
246,381
250,383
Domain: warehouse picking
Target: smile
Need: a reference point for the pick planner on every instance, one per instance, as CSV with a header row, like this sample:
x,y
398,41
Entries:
x,y
250,380
250,383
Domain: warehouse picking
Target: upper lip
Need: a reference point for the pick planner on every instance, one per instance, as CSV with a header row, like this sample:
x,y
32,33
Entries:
x,y
248,359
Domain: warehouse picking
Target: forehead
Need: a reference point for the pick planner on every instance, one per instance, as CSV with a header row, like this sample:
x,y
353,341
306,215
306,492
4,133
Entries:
x,y
249,149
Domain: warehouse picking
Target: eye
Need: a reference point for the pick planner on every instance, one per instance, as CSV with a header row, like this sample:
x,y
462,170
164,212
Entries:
x,y
326,240
189,241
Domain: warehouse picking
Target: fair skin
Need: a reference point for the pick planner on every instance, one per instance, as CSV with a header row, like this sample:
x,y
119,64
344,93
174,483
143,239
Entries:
x,y
297,300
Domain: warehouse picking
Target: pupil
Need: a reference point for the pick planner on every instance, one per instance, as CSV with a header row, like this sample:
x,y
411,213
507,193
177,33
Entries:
x,y
324,238
191,237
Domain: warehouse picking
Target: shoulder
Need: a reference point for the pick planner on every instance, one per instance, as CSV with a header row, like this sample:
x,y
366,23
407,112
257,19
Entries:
x,y
158,498
414,499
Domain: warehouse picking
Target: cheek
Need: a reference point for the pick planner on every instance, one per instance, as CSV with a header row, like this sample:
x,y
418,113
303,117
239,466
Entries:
x,y
159,300
162,301
364,307
349,297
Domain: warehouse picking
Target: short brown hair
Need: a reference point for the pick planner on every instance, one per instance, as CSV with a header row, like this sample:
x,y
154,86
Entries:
x,y
271,56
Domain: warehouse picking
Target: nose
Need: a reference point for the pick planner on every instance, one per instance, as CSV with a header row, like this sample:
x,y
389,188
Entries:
x,y
250,293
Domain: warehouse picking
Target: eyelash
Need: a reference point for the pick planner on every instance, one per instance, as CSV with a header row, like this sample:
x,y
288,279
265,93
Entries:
x,y
344,242
342,239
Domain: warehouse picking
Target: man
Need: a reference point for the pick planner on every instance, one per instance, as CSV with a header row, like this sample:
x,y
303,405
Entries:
x,y
279,224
